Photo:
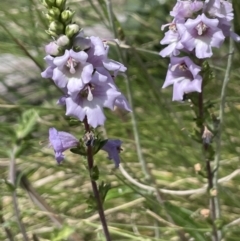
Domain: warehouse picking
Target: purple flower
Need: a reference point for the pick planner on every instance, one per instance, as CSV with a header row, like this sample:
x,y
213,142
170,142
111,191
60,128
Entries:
x,y
113,148
219,9
201,34
90,101
48,72
97,51
72,71
185,9
183,74
60,141
172,38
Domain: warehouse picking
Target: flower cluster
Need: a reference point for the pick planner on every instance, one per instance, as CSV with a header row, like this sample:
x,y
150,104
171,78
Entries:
x,y
197,27
86,76
80,67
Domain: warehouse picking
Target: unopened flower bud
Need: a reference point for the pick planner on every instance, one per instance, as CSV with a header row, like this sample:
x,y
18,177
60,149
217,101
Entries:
x,y
56,27
72,29
52,49
197,167
54,12
67,15
207,136
63,41
49,18
50,3
205,212
60,4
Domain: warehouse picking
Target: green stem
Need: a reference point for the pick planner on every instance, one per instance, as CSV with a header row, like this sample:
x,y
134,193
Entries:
x,y
219,132
129,96
94,186
12,180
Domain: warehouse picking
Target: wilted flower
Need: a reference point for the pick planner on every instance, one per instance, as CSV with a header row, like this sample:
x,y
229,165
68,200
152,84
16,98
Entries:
x,y
113,148
60,141
183,74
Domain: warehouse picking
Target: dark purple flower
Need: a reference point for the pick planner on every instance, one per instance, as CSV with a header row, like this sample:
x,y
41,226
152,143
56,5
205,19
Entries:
x,y
113,148
183,74
201,34
60,141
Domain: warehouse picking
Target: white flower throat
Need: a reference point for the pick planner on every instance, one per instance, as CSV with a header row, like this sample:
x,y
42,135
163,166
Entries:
x,y
71,64
201,28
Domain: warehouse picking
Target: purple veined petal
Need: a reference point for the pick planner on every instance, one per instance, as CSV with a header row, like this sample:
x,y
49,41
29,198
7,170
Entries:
x,y
62,100
98,77
95,115
87,70
74,107
113,148
178,90
79,56
194,85
60,78
60,141
112,65
52,48
62,60
98,46
48,72
203,49
122,103
169,50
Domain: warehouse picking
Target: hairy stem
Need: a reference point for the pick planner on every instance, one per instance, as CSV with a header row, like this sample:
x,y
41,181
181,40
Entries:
x,y
94,186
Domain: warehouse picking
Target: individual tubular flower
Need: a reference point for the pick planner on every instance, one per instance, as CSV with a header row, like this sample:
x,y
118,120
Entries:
x,y
172,38
60,141
201,34
219,9
183,74
113,148
97,51
72,70
89,102
185,9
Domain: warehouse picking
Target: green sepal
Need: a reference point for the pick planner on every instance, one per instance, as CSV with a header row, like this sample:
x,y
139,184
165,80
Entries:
x,y
98,144
94,173
206,73
50,3
67,15
54,13
103,190
80,151
195,135
92,205
60,4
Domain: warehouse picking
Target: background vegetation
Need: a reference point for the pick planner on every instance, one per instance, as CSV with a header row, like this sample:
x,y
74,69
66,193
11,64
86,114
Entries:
x,y
157,149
